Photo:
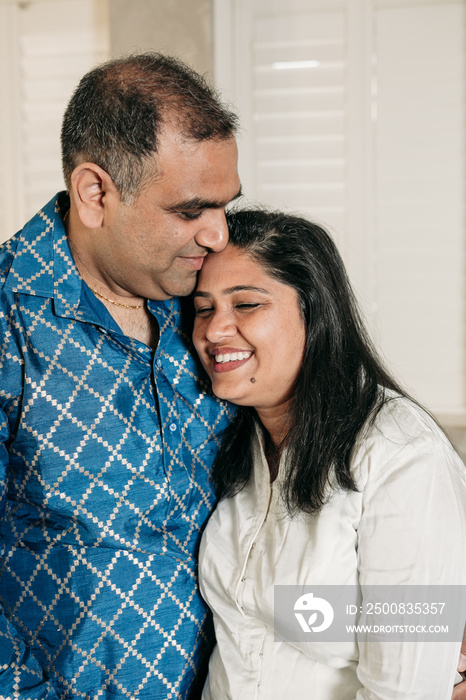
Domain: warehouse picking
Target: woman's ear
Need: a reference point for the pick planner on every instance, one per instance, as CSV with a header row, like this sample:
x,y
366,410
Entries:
x,y
94,193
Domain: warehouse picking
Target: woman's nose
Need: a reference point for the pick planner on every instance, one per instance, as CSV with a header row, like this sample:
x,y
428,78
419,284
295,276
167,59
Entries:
x,y
220,326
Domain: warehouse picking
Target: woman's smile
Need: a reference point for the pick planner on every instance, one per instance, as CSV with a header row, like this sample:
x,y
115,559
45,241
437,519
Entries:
x,y
227,359
248,332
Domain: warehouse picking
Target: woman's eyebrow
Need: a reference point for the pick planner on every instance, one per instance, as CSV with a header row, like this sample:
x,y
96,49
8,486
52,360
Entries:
x,y
237,288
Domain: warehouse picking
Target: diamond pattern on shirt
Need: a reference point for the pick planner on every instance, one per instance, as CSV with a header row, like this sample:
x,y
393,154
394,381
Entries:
x,y
107,480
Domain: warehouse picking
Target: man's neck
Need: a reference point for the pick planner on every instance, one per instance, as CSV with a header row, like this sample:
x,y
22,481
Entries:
x,y
129,312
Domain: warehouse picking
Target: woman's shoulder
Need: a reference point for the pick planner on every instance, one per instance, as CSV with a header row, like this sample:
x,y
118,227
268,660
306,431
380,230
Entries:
x,y
400,433
402,419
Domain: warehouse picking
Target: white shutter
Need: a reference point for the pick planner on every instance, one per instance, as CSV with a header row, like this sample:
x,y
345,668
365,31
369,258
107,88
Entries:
x,y
297,134
56,42
370,141
299,101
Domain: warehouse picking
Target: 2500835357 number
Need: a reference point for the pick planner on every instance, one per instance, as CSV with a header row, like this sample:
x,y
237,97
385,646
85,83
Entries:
x,y
400,608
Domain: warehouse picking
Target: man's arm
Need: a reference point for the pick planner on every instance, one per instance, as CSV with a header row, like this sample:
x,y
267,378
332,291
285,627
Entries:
x,y
459,692
20,673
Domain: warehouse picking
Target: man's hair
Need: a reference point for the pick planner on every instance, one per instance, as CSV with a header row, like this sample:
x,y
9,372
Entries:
x,y
117,112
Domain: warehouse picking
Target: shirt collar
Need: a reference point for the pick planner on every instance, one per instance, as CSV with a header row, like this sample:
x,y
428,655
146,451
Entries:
x,y
43,266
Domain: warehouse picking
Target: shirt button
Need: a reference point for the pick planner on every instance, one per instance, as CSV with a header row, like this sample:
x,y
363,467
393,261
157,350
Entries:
x,y
243,579
172,427
159,363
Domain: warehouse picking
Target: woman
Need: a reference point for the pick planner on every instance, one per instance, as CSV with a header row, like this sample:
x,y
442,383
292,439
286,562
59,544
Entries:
x,y
329,474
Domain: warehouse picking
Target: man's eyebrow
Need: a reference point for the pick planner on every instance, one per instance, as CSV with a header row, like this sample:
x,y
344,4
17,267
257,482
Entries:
x,y
199,203
232,290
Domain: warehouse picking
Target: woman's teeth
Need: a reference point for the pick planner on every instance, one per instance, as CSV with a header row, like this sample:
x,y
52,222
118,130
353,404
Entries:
x,y
232,357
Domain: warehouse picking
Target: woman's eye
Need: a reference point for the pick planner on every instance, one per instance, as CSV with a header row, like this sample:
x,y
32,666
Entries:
x,y
247,306
203,310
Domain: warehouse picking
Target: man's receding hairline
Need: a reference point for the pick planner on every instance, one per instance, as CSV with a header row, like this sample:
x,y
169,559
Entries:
x,y
156,172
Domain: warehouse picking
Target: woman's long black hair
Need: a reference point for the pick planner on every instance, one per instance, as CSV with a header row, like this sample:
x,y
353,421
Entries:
x,y
341,382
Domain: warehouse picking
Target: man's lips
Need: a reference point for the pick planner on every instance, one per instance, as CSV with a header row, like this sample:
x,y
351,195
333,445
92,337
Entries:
x,y
226,359
194,262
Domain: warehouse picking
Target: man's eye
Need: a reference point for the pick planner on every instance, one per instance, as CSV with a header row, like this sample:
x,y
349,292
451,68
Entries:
x,y
190,215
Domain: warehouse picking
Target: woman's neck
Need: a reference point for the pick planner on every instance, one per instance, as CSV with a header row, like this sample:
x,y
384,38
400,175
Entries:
x,y
275,422
275,431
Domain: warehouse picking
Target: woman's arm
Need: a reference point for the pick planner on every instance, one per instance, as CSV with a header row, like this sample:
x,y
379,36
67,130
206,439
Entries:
x,y
412,532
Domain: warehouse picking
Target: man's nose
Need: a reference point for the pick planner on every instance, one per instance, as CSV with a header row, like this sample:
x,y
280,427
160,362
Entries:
x,y
214,232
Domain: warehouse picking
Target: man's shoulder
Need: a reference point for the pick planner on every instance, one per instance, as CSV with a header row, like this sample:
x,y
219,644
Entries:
x,y
7,255
26,258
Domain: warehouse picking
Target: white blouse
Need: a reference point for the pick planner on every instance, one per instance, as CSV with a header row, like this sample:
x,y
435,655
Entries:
x,y
405,525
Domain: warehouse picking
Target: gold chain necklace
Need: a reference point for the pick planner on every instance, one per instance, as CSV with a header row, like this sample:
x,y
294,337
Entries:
x,y
117,303
98,294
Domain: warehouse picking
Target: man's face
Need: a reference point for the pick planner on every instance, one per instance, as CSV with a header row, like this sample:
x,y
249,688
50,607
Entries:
x,y
154,247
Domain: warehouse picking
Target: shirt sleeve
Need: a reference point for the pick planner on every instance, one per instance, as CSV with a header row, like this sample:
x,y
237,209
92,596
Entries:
x,y
21,676
412,532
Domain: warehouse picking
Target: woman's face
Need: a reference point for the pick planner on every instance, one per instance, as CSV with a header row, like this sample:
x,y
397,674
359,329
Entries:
x,y
248,327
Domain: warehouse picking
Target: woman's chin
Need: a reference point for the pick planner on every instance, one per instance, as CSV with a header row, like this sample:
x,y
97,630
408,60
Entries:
x,y
224,395
229,395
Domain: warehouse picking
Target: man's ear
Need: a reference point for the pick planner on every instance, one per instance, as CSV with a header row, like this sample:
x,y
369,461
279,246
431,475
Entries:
x,y
94,193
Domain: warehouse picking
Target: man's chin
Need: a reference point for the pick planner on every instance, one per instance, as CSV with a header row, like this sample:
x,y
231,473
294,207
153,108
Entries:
x,y
178,288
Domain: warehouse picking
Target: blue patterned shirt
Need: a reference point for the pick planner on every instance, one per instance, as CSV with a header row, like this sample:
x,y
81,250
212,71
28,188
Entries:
x,y
105,453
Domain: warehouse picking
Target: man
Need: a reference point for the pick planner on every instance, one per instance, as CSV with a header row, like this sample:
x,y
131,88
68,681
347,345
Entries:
x,y
107,433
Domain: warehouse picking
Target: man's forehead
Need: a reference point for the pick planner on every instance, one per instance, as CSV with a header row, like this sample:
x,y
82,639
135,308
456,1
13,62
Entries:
x,y
196,174
171,137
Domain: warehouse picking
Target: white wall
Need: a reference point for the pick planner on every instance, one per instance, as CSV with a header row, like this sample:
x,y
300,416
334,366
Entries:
x,y
182,28
46,45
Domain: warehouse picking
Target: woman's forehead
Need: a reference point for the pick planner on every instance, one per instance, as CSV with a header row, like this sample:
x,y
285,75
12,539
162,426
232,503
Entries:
x,y
230,264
